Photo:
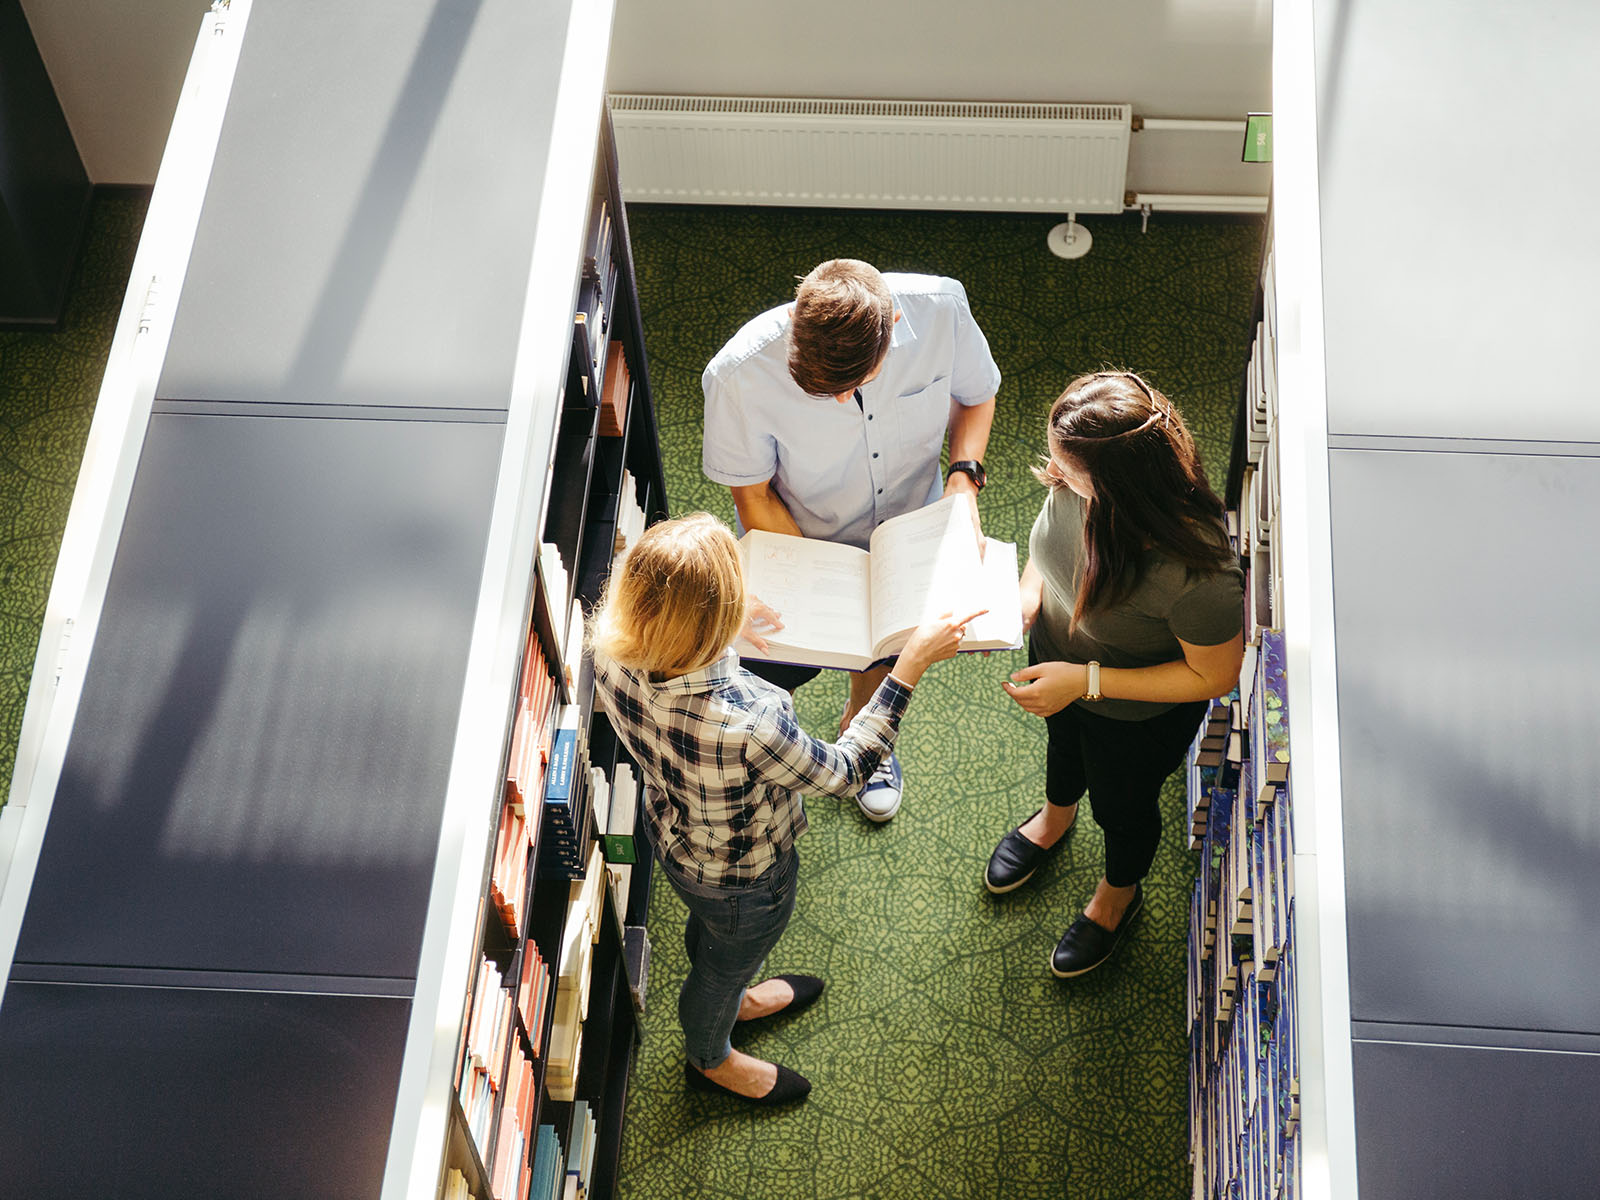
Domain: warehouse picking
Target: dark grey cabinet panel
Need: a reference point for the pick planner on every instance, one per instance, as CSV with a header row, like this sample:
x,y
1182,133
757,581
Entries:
x,y
1458,288
257,770
116,1091
1465,591
367,230
44,192
1474,1123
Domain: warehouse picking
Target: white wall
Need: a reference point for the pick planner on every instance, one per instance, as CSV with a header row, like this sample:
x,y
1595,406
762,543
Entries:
x,y
117,65
1168,58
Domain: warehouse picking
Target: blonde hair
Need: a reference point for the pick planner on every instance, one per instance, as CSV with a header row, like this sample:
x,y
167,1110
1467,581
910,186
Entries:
x,y
675,601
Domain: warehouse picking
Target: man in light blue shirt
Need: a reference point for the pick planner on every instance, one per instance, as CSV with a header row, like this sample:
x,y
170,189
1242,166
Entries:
x,y
826,417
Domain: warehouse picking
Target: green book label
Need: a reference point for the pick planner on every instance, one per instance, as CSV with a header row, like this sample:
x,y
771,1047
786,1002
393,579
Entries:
x,y
619,848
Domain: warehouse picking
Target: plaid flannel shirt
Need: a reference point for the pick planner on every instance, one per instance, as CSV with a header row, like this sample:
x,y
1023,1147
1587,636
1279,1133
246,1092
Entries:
x,y
724,761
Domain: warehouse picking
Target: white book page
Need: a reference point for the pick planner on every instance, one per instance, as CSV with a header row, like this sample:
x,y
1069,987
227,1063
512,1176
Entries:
x,y
923,563
1001,593
819,589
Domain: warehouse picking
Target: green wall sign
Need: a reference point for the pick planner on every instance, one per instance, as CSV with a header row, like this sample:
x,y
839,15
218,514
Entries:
x,y
1258,137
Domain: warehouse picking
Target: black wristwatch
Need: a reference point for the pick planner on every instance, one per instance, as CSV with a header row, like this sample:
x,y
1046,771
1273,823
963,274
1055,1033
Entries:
x,y
973,471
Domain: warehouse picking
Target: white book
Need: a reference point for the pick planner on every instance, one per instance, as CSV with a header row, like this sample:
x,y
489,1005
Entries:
x,y
849,608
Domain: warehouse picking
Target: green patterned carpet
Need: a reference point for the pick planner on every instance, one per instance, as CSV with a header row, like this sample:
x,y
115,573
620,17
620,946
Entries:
x,y
946,1060
48,386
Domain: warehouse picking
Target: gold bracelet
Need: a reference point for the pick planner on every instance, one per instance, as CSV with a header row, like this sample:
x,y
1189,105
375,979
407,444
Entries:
x,y
1092,686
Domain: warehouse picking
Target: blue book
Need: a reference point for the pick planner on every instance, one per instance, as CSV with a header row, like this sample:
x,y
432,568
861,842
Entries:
x,y
559,775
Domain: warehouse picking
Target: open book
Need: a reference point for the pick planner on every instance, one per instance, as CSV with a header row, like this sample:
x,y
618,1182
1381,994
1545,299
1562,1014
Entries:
x,y
844,607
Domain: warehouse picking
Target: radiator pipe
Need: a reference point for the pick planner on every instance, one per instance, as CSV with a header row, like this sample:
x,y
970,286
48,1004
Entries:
x,y
1184,125
1147,202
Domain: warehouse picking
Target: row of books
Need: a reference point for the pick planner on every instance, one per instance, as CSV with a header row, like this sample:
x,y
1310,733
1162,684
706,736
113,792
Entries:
x,y
1260,495
548,1180
591,323
1241,1003
456,1186
1244,1092
580,1163
480,1074
566,611
616,810
512,1168
631,518
615,392
575,968
564,827
533,995
531,728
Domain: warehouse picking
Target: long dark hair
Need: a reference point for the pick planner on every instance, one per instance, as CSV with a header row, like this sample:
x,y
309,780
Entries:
x,y
1149,488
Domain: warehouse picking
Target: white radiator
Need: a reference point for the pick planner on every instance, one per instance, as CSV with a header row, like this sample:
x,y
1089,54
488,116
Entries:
x,y
1058,158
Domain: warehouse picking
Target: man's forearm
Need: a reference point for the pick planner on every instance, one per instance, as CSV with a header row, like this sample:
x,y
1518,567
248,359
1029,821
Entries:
x,y
969,430
760,508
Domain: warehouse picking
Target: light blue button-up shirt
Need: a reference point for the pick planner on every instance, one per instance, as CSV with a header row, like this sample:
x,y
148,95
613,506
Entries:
x,y
840,469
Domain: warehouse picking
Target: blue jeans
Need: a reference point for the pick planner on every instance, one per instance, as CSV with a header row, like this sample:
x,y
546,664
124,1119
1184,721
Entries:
x,y
729,934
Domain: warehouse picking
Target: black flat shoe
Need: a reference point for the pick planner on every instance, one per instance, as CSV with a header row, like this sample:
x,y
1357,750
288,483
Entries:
x,y
1085,945
806,990
790,1087
1015,860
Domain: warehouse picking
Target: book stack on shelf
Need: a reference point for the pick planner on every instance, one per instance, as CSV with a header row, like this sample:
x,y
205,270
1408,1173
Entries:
x,y
636,958
575,968
580,1164
456,1186
615,820
618,387
512,1169
564,833
1259,496
480,1079
631,518
549,1176
1205,767
597,290
1244,1050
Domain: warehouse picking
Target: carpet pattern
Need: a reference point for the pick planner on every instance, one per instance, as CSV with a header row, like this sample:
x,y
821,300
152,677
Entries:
x,y
946,1060
48,386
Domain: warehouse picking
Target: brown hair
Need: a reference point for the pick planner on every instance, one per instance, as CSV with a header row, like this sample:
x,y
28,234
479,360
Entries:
x,y
840,330
675,601
1149,488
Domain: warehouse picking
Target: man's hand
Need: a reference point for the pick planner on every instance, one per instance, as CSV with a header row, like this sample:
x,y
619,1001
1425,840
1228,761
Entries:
x,y
1048,687
760,619
960,484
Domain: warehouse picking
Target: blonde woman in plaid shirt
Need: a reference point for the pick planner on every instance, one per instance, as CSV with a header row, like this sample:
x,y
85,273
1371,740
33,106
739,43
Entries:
x,y
725,761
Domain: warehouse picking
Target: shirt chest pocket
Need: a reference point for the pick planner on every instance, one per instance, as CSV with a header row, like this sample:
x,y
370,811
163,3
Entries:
x,y
922,415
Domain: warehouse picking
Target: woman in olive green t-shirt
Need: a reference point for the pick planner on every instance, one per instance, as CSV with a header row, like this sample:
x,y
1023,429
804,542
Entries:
x,y
1134,603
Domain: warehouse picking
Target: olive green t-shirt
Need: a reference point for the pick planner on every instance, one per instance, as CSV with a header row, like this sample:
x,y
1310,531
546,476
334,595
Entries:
x,y
1171,601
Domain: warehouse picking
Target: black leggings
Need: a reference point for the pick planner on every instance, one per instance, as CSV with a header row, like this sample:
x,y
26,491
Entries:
x,y
1122,764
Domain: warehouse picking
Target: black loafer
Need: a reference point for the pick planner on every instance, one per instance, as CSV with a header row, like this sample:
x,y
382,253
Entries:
x,y
1085,945
1015,860
806,990
791,1086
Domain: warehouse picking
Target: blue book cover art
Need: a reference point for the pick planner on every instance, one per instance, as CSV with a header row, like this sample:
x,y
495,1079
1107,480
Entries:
x,y
1274,691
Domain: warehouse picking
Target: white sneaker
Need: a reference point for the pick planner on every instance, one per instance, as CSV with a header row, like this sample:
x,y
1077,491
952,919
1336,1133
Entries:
x,y
880,799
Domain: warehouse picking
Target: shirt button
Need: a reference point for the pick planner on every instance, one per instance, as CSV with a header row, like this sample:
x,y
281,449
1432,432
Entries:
x,y
880,491
869,416
874,454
